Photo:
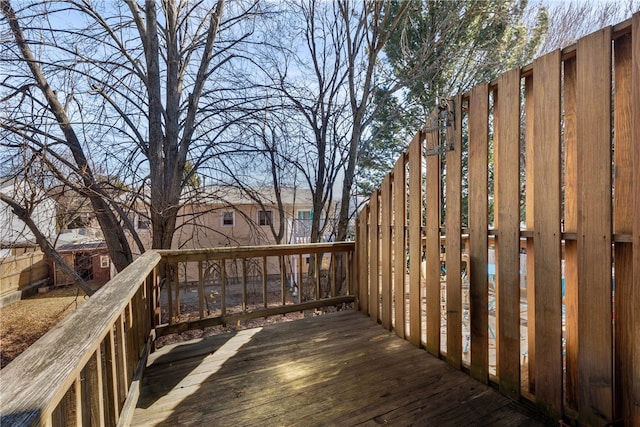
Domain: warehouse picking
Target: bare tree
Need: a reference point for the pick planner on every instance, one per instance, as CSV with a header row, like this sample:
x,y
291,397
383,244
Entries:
x,y
570,20
140,99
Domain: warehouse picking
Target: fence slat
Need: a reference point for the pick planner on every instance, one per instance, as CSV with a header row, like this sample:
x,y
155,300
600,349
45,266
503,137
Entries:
x,y
507,182
548,268
399,244
594,227
633,378
432,239
385,251
374,275
452,243
530,226
627,300
363,260
571,225
415,238
478,245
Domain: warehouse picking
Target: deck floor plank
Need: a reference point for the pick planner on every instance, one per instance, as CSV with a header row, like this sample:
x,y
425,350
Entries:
x,y
337,369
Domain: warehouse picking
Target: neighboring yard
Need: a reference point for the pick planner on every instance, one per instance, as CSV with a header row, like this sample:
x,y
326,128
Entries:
x,y
24,322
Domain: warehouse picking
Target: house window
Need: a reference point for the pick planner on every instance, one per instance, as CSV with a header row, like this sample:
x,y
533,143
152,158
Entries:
x,y
265,217
104,261
305,215
228,219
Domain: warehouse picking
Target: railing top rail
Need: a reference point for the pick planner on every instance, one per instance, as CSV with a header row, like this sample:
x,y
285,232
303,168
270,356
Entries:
x,y
254,251
44,372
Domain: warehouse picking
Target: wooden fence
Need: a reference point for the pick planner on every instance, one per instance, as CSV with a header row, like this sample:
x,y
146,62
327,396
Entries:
x,y
20,271
544,163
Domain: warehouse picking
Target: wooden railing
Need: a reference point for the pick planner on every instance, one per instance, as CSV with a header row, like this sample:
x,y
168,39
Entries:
x,y
548,133
87,369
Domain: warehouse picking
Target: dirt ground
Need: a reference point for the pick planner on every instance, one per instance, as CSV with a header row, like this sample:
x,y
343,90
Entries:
x,y
24,322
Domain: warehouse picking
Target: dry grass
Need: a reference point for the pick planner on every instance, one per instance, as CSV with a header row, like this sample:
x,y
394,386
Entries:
x,y
24,322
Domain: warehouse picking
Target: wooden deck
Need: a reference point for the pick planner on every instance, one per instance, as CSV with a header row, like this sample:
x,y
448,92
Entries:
x,y
338,369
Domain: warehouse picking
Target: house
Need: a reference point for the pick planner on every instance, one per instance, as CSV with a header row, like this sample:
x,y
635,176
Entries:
x,y
86,252
23,267
215,216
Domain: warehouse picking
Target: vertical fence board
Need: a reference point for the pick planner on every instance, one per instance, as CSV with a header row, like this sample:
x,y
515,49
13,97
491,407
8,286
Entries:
x,y
632,394
432,239
399,243
478,250
547,237
627,296
363,261
507,216
453,227
111,380
265,291
530,226
571,226
223,287
201,295
594,227
374,276
415,237
385,251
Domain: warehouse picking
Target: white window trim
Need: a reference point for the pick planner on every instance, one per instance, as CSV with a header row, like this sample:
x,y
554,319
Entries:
x,y
233,219
104,261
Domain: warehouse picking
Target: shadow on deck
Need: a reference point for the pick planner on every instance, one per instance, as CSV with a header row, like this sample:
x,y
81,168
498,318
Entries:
x,y
338,369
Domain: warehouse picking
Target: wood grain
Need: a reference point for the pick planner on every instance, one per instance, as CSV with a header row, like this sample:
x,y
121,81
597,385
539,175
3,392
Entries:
x,y
571,225
625,202
350,372
415,238
453,226
432,240
399,244
478,224
507,220
547,213
595,364
385,252
374,254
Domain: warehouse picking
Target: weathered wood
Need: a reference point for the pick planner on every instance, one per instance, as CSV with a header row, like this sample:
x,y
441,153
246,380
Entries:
x,y
365,375
507,220
415,238
223,287
399,244
193,255
37,380
111,380
478,224
385,252
632,379
571,225
92,397
283,279
529,95
452,244
178,328
547,213
362,243
627,180
244,284
265,295
432,240
374,254
595,364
